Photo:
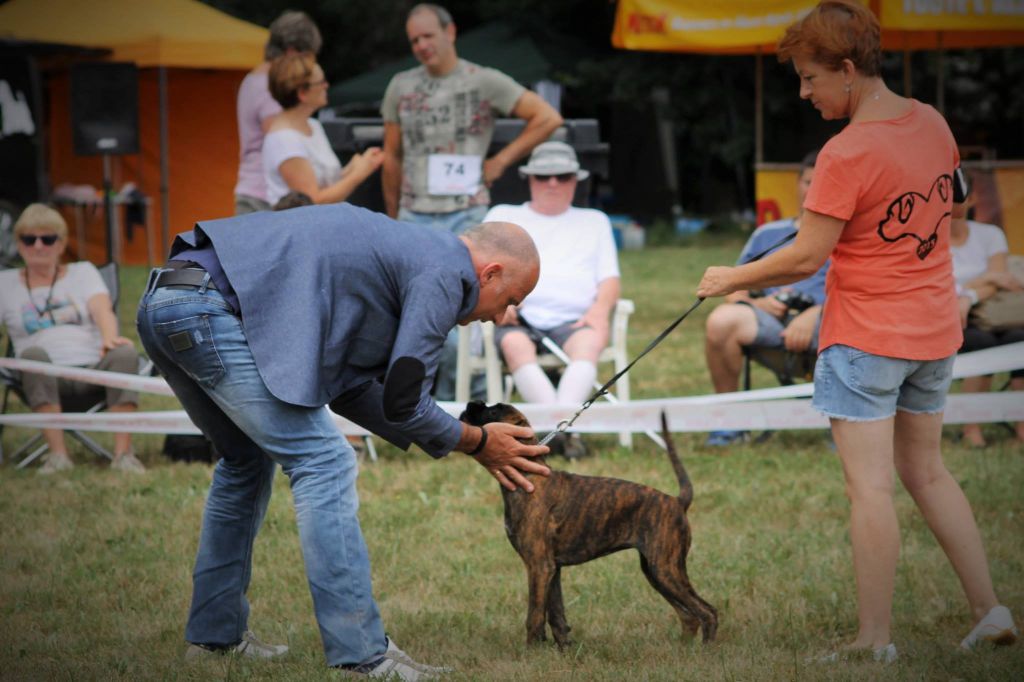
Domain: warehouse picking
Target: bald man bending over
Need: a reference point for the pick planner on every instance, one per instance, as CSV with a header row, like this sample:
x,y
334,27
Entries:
x,y
257,322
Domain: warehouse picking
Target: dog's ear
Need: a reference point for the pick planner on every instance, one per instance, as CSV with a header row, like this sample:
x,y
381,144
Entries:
x,y
473,411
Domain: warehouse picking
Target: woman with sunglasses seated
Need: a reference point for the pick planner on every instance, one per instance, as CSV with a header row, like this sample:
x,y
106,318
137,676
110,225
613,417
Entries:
x,y
297,156
63,314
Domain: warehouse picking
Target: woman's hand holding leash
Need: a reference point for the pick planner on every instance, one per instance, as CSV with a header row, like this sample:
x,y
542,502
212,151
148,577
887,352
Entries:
x,y
717,281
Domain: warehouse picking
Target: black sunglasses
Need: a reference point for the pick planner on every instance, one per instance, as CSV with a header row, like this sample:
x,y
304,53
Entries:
x,y
46,239
561,177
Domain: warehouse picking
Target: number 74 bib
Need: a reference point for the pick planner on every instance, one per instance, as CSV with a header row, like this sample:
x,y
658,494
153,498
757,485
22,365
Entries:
x,y
453,174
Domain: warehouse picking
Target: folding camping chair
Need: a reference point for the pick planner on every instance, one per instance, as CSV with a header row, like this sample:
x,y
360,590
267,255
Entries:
x,y
89,403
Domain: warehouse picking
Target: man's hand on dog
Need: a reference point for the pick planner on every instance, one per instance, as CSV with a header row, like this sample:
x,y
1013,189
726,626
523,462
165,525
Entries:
x,y
504,455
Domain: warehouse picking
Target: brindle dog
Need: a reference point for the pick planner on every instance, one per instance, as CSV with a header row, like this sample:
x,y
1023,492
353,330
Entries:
x,y
571,519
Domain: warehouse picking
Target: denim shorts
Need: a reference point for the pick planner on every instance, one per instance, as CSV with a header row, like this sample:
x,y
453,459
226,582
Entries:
x,y
855,385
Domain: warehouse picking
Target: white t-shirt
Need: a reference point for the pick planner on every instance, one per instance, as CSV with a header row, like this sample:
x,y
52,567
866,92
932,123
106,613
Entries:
x,y
577,252
281,145
970,259
59,321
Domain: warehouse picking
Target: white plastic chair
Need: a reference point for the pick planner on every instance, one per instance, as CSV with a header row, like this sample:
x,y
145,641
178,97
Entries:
x,y
499,385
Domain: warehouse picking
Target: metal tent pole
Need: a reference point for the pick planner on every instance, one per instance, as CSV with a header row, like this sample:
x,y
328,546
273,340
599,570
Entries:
x,y
164,163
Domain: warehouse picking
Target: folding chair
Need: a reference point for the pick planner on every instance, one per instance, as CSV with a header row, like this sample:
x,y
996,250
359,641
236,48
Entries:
x,y
499,383
787,366
90,403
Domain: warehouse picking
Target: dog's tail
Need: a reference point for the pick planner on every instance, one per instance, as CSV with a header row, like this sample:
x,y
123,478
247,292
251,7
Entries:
x,y
685,487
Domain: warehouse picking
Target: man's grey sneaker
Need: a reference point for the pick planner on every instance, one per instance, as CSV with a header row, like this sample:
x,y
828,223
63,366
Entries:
x,y
407,659
996,627
395,664
249,646
55,463
128,463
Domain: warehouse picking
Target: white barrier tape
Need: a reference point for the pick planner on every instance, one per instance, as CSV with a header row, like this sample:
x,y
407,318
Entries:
x,y
763,409
990,361
769,415
128,382
635,416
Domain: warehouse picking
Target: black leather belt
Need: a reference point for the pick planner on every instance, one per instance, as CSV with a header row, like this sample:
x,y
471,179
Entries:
x,y
192,277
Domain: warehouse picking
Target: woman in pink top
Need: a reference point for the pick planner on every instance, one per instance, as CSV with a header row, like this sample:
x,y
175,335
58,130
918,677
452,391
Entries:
x,y
291,33
880,205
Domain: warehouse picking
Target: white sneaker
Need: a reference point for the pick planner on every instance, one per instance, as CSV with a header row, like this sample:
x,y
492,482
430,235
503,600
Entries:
x,y
128,462
885,655
996,627
250,646
55,463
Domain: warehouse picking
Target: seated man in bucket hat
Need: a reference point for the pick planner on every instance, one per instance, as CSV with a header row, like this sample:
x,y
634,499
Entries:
x,y
578,286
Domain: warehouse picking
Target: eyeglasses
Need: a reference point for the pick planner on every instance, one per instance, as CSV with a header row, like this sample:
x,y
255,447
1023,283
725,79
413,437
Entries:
x,y
46,239
561,177
316,84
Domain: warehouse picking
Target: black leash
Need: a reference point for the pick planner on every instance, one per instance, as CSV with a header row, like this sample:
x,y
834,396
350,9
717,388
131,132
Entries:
x,y
566,423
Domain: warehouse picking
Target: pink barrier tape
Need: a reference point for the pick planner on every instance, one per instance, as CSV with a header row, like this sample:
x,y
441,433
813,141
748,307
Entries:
x,y
164,421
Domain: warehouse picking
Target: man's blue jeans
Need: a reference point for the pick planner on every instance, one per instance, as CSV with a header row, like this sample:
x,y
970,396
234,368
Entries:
x,y
199,345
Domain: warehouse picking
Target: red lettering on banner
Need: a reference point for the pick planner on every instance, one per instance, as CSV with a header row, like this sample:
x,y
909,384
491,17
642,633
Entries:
x,y
647,23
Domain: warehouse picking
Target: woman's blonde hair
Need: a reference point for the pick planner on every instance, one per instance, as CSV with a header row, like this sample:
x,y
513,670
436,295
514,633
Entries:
x,y
289,74
40,215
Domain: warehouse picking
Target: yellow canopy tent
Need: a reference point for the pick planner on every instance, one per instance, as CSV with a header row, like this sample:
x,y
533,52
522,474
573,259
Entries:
x,y
191,59
749,27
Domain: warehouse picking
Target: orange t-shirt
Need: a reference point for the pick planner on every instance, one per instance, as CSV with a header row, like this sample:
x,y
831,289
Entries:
x,y
890,290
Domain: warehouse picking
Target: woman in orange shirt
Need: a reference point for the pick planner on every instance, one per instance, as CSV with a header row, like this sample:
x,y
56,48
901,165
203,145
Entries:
x,y
880,205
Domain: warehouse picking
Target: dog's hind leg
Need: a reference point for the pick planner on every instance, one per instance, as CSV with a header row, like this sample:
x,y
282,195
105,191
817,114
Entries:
x,y
556,611
671,583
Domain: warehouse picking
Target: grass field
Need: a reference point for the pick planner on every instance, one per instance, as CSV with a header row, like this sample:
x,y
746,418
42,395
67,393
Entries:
x,y
95,566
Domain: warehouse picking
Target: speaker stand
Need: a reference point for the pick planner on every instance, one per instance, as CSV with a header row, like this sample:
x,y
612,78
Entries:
x,y
108,205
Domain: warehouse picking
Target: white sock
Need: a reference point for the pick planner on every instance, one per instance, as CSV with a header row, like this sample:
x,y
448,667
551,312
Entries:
x,y
577,382
533,384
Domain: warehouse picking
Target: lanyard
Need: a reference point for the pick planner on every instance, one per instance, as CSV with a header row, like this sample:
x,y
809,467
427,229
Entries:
x,y
41,312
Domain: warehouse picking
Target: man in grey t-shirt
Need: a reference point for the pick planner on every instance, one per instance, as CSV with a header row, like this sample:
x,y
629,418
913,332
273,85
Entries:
x,y
438,123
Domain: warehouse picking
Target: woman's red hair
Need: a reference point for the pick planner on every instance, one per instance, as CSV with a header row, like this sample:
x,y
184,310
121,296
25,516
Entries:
x,y
833,31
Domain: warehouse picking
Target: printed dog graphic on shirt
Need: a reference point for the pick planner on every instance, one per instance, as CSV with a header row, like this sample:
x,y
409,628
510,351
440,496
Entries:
x,y
916,215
